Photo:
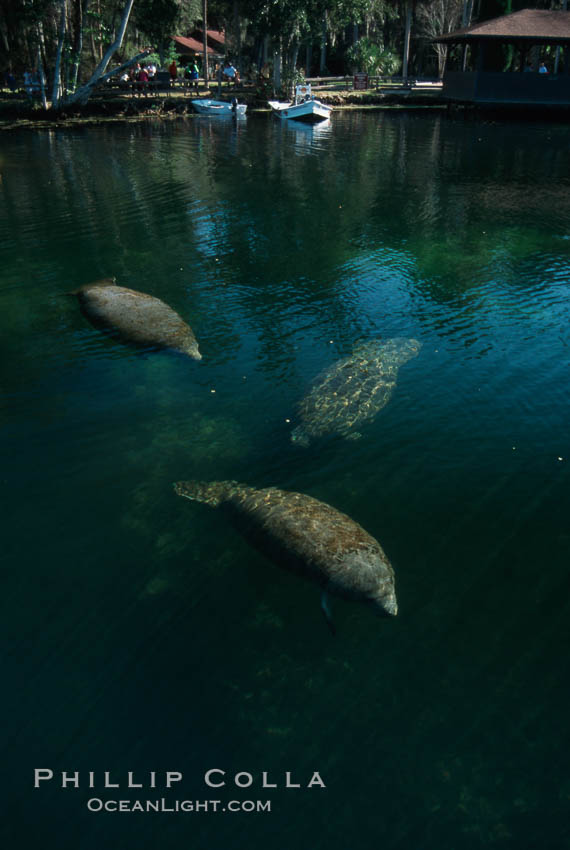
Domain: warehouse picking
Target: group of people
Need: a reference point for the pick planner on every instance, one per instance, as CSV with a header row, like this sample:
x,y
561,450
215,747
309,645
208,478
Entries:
x,y
139,77
542,69
190,72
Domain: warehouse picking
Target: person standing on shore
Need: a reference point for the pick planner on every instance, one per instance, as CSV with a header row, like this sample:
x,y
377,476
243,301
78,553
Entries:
x,y
194,74
142,81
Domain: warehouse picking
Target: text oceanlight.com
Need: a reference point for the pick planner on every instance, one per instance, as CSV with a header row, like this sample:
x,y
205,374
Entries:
x,y
95,804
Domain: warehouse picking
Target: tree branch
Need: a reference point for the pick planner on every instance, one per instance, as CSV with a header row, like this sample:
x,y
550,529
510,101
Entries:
x,y
82,94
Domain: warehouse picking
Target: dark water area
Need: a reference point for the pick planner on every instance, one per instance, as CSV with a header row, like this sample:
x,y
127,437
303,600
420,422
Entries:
x,y
140,631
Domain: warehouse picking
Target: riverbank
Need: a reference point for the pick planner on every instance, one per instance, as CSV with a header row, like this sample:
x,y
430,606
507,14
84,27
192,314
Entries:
x,y
16,113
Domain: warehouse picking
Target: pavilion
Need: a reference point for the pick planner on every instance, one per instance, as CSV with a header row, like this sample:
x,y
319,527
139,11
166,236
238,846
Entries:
x,y
528,33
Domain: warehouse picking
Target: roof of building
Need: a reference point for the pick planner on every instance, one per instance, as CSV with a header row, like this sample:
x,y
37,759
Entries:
x,y
191,44
217,35
534,25
216,39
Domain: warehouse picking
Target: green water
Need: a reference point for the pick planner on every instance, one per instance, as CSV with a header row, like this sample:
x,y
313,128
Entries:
x,y
141,632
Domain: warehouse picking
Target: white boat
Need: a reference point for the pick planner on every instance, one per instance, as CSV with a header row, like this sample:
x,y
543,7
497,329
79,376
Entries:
x,y
305,108
219,107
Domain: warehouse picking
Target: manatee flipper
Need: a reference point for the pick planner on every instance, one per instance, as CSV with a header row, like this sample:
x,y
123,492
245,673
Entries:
x,y
327,612
354,435
299,437
209,492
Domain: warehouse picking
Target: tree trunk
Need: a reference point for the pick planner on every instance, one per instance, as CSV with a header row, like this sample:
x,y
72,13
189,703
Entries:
x,y
465,22
100,45
323,60
4,34
294,56
57,88
42,77
557,54
43,54
205,42
237,34
407,31
441,59
277,69
308,58
93,53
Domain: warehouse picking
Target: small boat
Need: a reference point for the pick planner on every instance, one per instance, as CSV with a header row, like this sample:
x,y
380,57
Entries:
x,y
305,108
219,107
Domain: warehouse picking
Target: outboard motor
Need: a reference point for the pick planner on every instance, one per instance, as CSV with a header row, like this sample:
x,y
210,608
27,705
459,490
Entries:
x,y
234,104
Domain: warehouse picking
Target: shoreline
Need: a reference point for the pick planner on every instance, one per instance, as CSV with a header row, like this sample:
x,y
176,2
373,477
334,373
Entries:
x,y
129,109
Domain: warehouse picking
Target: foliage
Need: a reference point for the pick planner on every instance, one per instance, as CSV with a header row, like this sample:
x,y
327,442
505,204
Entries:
x,y
169,55
31,32
372,57
290,78
157,20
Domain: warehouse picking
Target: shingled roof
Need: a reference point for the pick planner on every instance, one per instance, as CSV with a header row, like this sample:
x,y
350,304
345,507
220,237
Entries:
x,y
191,44
533,25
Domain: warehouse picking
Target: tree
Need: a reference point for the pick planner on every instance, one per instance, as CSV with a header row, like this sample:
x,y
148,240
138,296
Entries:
x,y
371,57
156,19
205,71
82,94
439,17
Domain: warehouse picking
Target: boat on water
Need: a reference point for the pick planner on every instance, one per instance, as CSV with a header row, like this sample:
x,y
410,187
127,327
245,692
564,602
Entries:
x,y
305,107
219,107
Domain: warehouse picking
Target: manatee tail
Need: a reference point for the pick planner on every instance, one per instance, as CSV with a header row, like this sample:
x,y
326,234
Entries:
x,y
209,492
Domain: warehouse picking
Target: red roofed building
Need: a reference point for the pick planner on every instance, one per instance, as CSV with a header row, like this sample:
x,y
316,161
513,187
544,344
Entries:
x,y
189,46
216,39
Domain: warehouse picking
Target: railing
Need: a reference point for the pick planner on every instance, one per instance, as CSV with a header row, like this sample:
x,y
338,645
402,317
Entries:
x,y
152,87
375,82
346,83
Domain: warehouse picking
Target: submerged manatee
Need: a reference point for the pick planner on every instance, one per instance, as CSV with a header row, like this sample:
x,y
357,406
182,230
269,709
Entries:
x,y
307,537
352,391
136,317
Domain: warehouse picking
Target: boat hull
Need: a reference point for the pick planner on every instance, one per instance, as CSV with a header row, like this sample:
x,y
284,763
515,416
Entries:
x,y
218,107
309,111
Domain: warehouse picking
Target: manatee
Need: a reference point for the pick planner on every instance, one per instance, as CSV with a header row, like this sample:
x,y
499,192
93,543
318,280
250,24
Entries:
x,y
307,537
136,317
352,391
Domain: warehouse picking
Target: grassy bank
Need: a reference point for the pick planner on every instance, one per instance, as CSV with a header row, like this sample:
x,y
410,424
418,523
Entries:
x,y
18,112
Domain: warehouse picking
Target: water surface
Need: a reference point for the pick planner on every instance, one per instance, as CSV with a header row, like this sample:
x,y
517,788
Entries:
x,y
141,632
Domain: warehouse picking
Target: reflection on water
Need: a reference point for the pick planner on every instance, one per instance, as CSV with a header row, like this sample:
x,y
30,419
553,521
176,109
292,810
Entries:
x,y
145,636
304,138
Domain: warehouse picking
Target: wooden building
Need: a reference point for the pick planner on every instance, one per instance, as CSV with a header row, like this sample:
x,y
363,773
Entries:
x,y
527,34
189,48
216,39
